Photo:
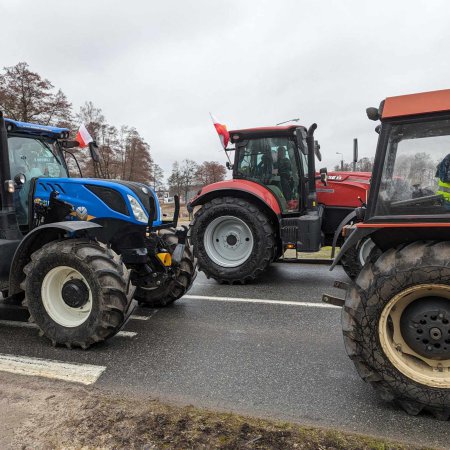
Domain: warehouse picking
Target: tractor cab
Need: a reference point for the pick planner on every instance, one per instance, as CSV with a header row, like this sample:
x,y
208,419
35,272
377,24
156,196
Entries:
x,y
414,168
271,157
33,152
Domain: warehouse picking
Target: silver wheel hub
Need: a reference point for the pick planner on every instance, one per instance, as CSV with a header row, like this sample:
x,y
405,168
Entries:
x,y
364,251
228,241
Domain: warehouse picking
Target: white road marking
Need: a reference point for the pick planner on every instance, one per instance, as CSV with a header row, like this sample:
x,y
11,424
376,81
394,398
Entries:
x,y
133,317
12,323
128,334
153,312
57,370
260,300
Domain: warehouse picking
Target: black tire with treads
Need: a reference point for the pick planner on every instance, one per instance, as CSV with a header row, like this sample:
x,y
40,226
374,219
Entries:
x,y
263,235
108,280
350,260
183,276
421,262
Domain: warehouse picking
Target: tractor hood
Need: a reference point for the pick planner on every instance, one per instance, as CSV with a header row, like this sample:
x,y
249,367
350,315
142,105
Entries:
x,y
344,189
95,199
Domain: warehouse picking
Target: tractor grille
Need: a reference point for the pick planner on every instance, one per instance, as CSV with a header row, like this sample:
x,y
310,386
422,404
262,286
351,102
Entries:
x,y
289,229
111,197
137,188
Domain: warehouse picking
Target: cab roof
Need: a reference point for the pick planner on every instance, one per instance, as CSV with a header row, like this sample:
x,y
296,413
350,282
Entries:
x,y
415,104
34,129
246,133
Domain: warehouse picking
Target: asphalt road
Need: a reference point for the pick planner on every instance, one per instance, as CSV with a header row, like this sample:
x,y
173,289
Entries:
x,y
283,361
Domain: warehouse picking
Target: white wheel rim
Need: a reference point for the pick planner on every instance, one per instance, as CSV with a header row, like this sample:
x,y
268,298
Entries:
x,y
228,241
53,302
364,251
430,372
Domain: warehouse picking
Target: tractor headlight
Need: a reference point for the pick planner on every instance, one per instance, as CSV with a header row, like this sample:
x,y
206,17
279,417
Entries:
x,y
139,214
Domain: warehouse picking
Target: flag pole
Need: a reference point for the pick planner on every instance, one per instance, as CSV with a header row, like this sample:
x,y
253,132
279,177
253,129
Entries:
x,y
221,143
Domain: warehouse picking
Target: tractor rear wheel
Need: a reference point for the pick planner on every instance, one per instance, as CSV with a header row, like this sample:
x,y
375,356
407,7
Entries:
x,y
233,240
396,325
357,256
77,292
178,284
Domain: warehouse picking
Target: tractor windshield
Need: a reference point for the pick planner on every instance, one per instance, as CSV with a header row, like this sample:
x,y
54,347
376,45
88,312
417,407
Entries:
x,y
34,158
416,171
273,163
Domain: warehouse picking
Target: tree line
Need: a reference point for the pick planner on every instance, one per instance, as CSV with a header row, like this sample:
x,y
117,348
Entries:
x,y
188,176
363,165
26,96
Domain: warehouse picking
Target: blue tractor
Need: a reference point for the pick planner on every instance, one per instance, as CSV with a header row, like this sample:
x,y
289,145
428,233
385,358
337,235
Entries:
x,y
76,251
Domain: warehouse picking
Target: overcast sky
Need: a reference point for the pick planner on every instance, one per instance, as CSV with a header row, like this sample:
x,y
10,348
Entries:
x,y
161,66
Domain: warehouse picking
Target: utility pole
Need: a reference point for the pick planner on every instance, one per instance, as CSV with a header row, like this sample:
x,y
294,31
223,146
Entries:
x,y
342,160
355,153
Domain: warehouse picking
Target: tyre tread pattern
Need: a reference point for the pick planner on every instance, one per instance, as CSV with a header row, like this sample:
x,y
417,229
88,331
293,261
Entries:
x,y
395,270
267,242
113,279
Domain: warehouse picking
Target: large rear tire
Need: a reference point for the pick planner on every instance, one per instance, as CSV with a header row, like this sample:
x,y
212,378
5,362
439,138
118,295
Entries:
x,y
396,325
233,240
77,292
176,286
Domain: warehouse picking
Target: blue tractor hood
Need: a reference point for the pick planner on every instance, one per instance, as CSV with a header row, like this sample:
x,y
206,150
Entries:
x,y
96,200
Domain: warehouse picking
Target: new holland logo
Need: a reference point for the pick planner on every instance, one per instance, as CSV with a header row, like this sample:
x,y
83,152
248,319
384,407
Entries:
x,y
81,213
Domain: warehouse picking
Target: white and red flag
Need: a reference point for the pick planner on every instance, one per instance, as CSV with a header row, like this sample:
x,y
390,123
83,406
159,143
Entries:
x,y
222,131
83,136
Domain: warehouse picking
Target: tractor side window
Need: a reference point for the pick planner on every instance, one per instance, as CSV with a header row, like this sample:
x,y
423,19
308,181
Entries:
x,y
273,163
33,158
416,172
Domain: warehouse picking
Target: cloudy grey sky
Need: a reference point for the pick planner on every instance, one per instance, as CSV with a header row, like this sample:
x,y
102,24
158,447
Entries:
x,y
163,65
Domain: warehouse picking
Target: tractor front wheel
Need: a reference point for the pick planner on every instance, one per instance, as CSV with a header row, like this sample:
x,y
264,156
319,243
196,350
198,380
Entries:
x,y
77,292
178,282
233,240
357,256
396,325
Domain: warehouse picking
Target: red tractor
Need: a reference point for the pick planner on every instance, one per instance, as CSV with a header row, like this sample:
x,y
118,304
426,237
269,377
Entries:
x,y
275,201
396,316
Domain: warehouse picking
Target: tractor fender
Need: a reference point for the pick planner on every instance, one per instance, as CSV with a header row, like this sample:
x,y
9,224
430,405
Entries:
x,y
36,239
238,188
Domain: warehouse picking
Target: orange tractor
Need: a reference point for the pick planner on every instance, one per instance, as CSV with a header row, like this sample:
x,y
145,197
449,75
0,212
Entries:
x,y
396,316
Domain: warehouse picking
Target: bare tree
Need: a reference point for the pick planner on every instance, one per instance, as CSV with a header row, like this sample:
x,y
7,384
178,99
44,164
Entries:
x,y
27,97
183,178
157,177
210,172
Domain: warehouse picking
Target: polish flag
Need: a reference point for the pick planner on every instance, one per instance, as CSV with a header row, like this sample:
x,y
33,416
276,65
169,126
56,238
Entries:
x,y
83,136
222,131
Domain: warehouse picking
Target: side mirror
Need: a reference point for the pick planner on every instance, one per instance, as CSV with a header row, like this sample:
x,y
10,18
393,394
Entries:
x,y
20,179
324,176
70,144
228,165
93,148
317,150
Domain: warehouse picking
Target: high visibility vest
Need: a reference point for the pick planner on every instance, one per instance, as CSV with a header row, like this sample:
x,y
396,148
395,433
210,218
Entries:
x,y
444,190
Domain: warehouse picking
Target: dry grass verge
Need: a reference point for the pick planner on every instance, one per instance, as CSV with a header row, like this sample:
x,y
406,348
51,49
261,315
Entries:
x,y
47,415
